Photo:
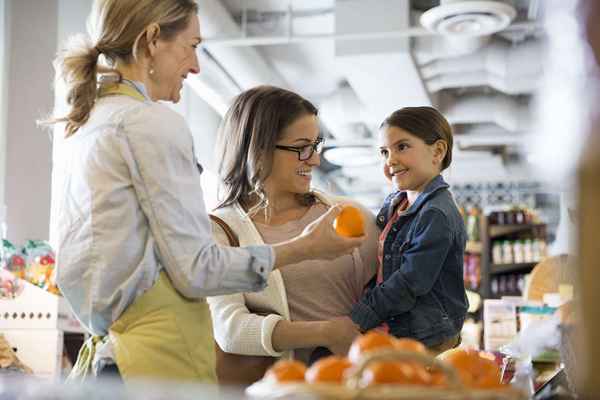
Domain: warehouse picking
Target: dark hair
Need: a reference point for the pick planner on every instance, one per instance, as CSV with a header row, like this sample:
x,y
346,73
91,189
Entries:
x,y
426,123
247,137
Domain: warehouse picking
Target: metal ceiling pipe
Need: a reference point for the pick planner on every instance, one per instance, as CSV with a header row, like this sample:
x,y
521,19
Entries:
x,y
499,58
246,64
505,111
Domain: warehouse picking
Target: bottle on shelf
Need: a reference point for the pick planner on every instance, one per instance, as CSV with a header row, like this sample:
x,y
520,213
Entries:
x,y
521,283
518,252
502,285
527,251
511,284
507,256
494,286
497,253
473,224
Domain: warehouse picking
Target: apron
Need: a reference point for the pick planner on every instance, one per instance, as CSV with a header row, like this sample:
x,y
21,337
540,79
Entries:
x,y
161,335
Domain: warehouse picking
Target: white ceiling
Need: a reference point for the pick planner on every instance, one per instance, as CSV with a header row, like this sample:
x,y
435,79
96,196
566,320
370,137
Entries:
x,y
485,93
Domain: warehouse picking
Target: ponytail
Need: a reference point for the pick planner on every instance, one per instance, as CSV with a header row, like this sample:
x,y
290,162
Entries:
x,y
77,66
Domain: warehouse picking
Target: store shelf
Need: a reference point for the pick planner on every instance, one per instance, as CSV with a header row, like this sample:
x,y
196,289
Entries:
x,y
505,268
503,230
473,247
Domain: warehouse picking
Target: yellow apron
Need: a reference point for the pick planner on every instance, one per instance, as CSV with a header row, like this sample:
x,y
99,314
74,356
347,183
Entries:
x,y
164,335
161,335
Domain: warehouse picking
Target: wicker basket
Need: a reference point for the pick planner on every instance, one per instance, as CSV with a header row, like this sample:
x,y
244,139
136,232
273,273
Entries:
x,y
352,390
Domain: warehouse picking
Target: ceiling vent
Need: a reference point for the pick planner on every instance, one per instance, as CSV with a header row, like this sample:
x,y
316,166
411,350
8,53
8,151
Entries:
x,y
468,18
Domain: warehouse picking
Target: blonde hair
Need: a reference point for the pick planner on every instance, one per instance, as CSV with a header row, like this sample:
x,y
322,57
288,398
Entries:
x,y
116,30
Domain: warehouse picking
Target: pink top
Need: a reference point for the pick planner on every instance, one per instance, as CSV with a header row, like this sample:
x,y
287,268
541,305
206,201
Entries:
x,y
402,206
321,289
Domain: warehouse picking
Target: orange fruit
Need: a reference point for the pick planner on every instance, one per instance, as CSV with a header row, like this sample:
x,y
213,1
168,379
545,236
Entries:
x,y
328,369
409,344
286,371
372,340
438,379
387,372
476,369
349,222
421,375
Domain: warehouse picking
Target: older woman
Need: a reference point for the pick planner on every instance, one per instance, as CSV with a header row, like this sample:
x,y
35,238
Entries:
x,y
135,252
269,146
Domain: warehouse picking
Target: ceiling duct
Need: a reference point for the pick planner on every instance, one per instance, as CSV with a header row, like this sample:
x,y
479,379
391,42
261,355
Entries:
x,y
246,64
505,111
467,24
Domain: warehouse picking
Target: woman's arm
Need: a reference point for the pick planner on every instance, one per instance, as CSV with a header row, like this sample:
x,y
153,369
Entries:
x,y
157,147
336,334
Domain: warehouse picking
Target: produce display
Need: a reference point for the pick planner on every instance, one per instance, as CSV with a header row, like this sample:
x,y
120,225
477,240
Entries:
x,y
381,366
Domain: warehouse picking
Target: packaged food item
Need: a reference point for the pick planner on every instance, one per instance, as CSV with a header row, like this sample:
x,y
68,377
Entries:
x,y
10,285
39,269
12,259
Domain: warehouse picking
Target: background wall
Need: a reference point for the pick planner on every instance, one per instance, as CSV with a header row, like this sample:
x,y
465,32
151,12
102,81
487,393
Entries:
x,y
4,39
30,46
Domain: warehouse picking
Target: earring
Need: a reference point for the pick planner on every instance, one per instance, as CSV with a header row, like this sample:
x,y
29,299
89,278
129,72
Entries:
x,y
151,70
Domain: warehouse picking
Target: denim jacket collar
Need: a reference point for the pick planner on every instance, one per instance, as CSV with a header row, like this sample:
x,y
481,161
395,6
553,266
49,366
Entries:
x,y
432,187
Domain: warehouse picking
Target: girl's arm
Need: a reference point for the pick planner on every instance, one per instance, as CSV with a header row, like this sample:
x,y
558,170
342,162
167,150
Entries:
x,y
418,266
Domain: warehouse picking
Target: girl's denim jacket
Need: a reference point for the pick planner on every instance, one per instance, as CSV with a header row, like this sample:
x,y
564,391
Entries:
x,y
423,294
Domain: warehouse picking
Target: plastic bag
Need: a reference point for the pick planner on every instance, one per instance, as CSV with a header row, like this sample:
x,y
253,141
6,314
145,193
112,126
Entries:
x,y
10,285
39,258
12,259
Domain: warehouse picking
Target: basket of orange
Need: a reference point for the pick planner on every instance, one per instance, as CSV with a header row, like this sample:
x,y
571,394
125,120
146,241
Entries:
x,y
379,366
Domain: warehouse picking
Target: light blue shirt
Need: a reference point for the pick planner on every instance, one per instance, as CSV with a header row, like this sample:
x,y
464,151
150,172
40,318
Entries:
x,y
127,203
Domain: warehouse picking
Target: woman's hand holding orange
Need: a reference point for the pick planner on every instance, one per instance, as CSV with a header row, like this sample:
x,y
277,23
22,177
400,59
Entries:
x,y
350,222
323,242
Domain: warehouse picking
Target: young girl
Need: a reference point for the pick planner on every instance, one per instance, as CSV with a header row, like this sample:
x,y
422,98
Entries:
x,y
419,290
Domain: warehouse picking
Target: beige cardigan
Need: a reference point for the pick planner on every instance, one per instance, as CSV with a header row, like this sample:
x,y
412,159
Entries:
x,y
236,329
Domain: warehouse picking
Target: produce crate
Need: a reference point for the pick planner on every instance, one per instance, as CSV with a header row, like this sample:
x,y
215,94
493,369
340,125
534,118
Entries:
x,y
351,389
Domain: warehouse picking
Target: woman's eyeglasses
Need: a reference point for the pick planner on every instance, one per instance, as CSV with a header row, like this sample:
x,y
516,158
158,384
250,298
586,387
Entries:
x,y
304,152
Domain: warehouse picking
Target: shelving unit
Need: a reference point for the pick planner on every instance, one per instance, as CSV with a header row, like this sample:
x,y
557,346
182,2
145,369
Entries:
x,y
496,269
488,233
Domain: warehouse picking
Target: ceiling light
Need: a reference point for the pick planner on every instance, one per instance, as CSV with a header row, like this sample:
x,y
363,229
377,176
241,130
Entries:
x,y
352,156
468,18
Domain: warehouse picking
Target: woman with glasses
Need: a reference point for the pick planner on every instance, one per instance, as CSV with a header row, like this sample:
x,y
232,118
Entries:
x,y
270,146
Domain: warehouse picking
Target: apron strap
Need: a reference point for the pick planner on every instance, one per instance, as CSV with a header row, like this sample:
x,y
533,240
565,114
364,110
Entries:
x,y
85,358
120,89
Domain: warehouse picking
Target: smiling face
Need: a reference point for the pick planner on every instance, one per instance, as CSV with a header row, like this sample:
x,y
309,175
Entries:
x,y
172,61
289,175
409,163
